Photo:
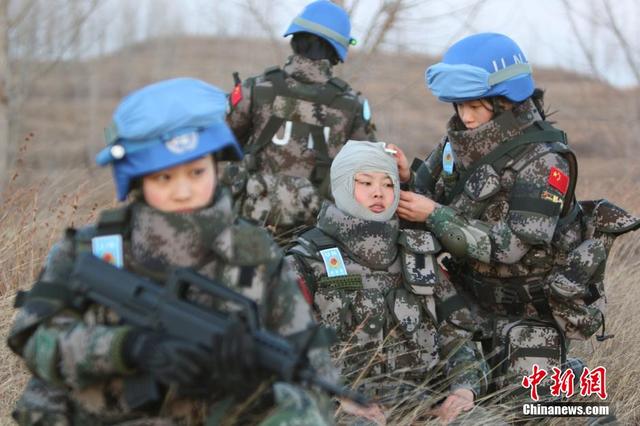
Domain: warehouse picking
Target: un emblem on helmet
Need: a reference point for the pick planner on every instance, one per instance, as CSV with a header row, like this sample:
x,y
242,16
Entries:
x,y
183,143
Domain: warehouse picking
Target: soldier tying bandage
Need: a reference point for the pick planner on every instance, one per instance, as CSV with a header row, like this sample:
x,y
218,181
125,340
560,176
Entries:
x,y
527,260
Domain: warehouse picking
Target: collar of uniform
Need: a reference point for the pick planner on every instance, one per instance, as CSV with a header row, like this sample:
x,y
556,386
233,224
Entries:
x,y
372,243
161,240
307,70
471,145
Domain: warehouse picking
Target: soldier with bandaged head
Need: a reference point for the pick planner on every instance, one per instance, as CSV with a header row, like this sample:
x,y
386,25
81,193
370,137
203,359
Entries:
x,y
292,121
164,145
525,259
373,282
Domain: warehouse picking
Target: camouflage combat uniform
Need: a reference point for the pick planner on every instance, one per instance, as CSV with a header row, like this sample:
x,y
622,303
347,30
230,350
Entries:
x,y
291,122
382,309
76,356
519,252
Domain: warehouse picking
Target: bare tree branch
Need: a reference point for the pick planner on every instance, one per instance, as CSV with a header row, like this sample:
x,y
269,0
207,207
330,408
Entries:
x,y
587,50
468,20
266,26
624,44
21,15
351,9
391,11
76,31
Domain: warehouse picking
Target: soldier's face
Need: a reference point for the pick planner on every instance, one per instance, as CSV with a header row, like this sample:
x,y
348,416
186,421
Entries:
x,y
373,190
183,188
474,113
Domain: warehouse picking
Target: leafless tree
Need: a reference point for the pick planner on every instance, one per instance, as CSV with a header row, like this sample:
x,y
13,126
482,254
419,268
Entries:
x,y
35,36
600,16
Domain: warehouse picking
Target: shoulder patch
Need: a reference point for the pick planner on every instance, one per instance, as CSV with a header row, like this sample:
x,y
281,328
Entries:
x,y
333,262
558,180
448,159
366,110
236,95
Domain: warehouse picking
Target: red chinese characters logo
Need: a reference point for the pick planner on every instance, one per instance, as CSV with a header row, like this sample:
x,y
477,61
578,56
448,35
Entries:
x,y
562,382
534,380
592,381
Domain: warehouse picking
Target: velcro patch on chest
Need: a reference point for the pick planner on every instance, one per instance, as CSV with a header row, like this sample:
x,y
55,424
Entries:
x,y
333,262
109,249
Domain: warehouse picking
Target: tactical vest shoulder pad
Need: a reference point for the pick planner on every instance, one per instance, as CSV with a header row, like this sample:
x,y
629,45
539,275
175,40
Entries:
x,y
531,153
339,83
252,246
319,239
82,238
610,218
310,242
272,70
113,221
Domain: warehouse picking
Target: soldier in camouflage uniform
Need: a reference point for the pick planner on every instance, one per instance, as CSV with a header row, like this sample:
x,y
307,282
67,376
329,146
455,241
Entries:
x,y
371,281
527,260
292,121
161,146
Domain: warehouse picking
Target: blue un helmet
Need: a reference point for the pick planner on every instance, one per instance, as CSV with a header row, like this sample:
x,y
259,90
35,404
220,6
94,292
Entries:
x,y
328,21
481,66
165,124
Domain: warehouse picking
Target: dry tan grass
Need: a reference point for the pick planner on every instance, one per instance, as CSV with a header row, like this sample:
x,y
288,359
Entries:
x,y
34,217
53,189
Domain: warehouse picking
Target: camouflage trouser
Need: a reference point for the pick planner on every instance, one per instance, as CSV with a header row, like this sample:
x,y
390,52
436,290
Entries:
x,y
42,405
296,407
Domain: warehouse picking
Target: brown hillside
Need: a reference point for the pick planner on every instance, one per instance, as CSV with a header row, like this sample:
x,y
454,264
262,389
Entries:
x,y
70,105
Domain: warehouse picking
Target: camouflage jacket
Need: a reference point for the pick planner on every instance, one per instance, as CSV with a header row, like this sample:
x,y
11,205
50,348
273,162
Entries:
x,y
521,260
291,123
508,219
373,284
81,351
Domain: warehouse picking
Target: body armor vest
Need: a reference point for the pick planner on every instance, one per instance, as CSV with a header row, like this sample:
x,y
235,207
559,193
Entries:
x,y
390,307
314,119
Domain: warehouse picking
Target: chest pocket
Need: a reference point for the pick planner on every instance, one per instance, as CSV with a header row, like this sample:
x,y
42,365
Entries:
x,y
345,305
481,185
405,309
419,266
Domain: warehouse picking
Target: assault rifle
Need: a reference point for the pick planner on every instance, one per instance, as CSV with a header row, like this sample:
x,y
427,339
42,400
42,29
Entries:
x,y
165,309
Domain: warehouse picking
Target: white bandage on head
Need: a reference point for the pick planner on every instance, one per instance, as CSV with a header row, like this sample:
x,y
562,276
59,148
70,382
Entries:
x,y
362,156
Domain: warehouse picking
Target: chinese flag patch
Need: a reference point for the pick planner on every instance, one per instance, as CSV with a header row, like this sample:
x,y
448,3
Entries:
x,y
558,180
236,95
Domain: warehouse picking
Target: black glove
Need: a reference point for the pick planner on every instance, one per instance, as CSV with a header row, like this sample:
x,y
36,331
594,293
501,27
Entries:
x,y
168,360
234,360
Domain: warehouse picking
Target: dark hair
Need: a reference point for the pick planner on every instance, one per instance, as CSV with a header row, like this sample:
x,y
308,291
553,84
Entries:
x,y
538,100
313,47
